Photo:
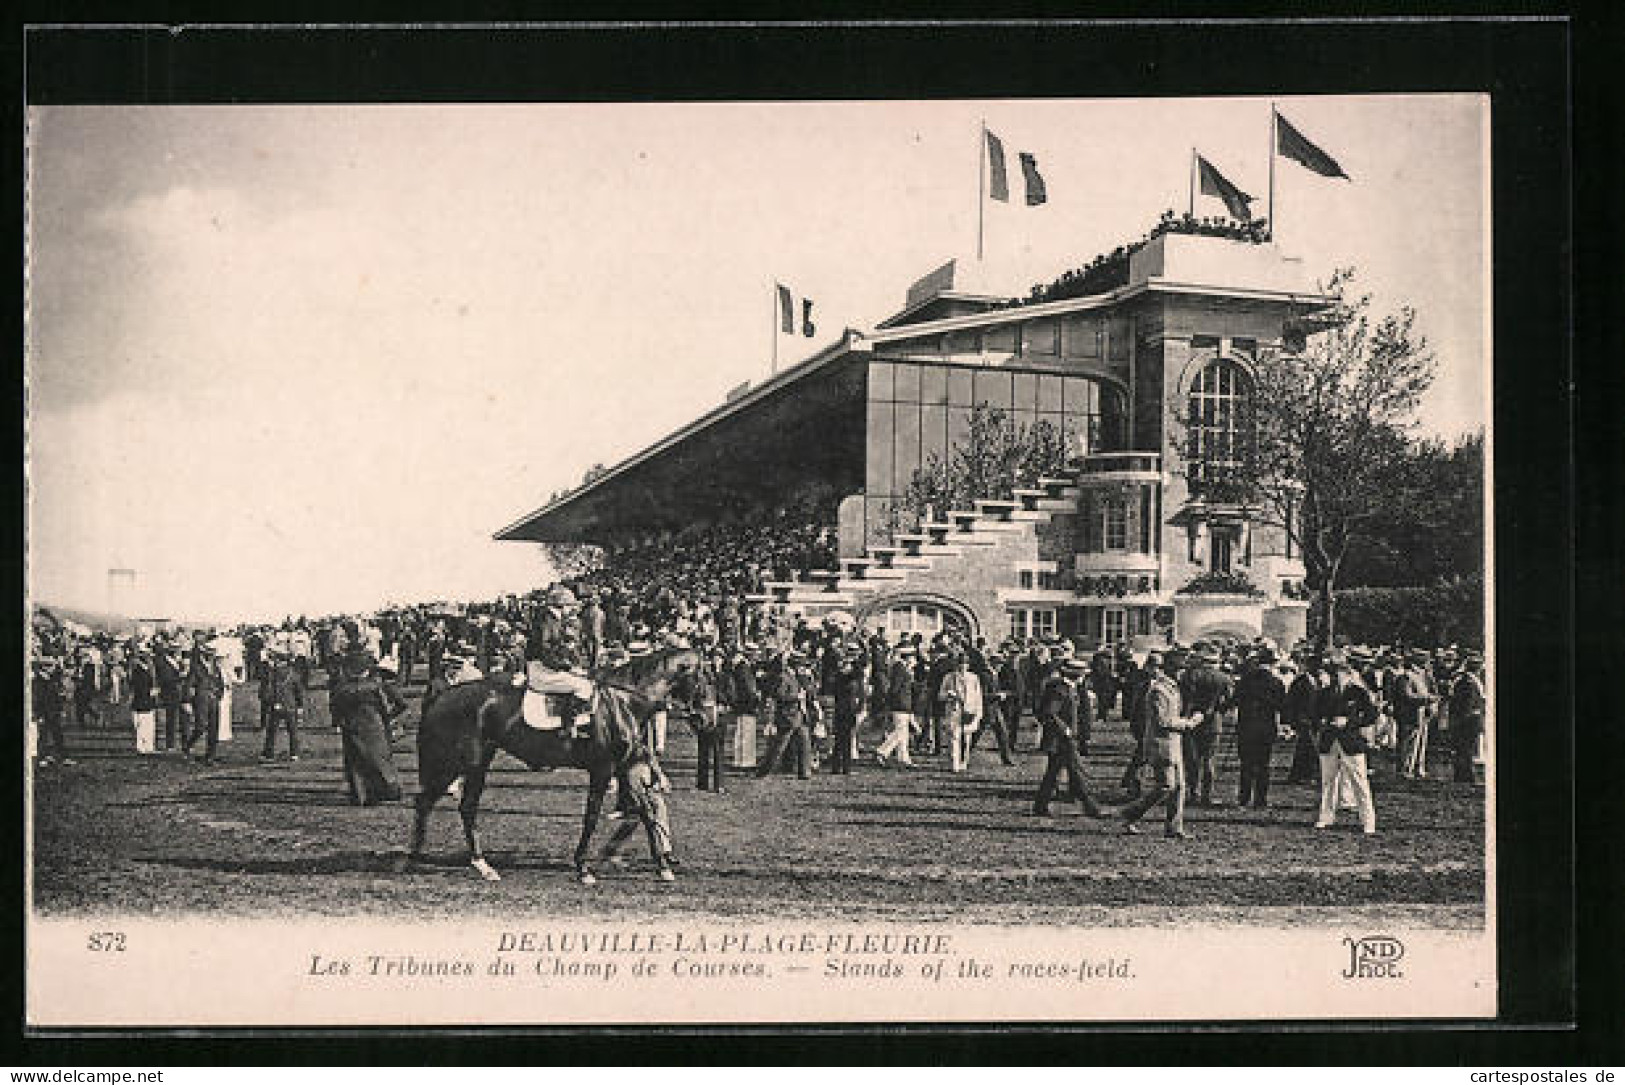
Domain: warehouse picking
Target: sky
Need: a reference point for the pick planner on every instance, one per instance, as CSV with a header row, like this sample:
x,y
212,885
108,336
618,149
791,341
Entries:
x,y
307,359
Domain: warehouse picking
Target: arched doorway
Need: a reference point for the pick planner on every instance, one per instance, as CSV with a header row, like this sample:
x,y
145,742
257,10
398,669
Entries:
x,y
927,615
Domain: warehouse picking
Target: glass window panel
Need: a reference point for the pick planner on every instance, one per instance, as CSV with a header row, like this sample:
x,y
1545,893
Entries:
x,y
958,427
1025,391
880,448
1050,396
906,383
1063,425
1002,340
880,380
933,384
959,387
1040,337
1079,338
993,387
907,457
1080,397
933,433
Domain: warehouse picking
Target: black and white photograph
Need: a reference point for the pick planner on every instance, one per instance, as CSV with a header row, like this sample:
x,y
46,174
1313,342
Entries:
x,y
751,561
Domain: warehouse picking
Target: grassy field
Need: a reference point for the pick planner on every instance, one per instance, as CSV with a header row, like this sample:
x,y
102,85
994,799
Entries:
x,y
158,836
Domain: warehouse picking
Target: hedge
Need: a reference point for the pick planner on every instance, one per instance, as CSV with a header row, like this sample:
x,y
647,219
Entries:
x,y
1449,612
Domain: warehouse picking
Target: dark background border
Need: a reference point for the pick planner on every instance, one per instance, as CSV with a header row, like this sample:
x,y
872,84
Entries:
x,y
1524,65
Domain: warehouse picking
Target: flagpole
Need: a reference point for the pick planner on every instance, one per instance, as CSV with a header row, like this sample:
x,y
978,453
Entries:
x,y
1190,207
774,295
981,183
1272,172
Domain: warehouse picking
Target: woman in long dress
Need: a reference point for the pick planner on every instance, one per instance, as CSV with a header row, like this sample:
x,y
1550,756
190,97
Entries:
x,y
362,702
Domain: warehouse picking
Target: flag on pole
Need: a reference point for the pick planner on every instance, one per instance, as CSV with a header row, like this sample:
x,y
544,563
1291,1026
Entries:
x,y
1035,181
998,184
998,178
787,313
1291,143
1214,183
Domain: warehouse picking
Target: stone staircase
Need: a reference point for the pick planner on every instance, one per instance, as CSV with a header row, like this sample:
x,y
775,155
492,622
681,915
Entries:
x,y
931,552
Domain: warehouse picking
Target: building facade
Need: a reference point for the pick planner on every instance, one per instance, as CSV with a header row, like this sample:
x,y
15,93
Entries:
x,y
1146,374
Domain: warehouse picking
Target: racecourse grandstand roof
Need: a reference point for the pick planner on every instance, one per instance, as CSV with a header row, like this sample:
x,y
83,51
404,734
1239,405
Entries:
x,y
802,426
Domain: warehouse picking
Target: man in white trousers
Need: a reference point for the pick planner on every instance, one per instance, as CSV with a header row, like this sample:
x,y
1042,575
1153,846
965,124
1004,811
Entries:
x,y
961,697
900,699
1350,715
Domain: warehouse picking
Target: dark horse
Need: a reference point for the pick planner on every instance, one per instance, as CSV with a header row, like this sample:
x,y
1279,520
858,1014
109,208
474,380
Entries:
x,y
463,728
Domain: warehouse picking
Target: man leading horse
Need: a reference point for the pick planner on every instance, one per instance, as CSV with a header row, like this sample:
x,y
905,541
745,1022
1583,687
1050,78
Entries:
x,y
463,728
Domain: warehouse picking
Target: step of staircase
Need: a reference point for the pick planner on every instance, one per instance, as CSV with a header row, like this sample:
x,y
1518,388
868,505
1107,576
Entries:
x,y
881,572
851,586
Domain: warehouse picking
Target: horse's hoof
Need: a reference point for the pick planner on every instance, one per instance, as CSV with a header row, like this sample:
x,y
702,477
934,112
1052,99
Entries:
x,y
586,877
667,874
486,870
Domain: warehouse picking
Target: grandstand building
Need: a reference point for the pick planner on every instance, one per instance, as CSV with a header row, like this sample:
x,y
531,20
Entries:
x,y
1138,359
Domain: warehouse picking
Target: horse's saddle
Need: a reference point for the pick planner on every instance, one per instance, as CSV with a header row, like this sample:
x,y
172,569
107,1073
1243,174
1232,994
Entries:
x,y
550,695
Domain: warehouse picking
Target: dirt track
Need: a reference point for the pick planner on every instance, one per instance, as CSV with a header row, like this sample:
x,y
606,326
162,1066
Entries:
x,y
158,836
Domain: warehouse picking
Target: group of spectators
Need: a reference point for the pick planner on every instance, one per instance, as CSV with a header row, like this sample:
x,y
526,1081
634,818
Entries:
x,y
814,693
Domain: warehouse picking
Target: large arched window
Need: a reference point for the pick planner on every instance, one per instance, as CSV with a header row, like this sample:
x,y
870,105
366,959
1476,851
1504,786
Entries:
x,y
1220,425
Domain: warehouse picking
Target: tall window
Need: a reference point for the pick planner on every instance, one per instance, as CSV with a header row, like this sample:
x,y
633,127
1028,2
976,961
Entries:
x,y
1113,624
1116,525
1218,423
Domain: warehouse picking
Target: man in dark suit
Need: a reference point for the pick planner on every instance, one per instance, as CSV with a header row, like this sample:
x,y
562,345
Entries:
x,y
1133,679
168,673
205,685
1208,691
1002,690
1467,701
283,700
849,689
1064,711
793,694
1260,696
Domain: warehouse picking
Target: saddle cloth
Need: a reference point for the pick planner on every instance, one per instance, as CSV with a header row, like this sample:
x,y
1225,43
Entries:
x,y
548,694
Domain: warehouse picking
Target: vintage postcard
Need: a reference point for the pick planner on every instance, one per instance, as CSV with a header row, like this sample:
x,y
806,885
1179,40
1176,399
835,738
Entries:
x,y
1001,560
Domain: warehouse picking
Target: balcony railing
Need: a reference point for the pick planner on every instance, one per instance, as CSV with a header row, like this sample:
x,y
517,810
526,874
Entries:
x,y
1101,463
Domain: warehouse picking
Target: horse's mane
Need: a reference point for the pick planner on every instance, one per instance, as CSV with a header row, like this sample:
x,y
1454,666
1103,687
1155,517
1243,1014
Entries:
x,y
614,689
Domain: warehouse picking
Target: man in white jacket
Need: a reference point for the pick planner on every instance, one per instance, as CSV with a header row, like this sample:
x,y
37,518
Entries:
x,y
961,697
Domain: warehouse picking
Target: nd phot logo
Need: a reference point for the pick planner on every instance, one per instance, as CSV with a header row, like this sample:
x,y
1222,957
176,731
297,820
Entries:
x,y
1376,956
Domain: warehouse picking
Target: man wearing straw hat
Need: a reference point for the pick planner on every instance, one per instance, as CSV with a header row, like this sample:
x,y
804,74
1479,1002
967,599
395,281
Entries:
x,y
1348,715
1064,710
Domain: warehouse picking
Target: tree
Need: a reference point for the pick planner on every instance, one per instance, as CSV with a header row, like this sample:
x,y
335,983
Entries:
x,y
1329,426
996,456
1429,527
571,560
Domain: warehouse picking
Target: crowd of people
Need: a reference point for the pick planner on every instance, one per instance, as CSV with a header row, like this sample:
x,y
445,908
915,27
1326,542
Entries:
x,y
803,696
